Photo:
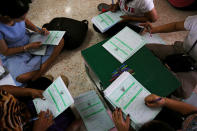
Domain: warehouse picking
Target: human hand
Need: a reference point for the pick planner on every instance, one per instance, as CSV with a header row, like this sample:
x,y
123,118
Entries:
x,y
33,45
113,7
43,31
125,18
120,123
34,93
147,27
154,101
44,122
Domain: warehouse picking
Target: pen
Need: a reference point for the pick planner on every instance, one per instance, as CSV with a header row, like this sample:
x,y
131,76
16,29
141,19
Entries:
x,y
156,100
34,119
149,30
112,2
38,28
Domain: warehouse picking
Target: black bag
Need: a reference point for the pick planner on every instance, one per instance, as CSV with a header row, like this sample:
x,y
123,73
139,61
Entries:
x,y
181,62
75,30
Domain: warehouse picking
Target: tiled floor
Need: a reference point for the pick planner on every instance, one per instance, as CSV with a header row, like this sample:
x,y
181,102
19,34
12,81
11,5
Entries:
x,y
70,63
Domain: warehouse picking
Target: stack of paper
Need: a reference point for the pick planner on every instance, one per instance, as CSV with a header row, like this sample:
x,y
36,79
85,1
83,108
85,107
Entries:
x,y
57,98
93,112
124,44
52,39
106,20
128,94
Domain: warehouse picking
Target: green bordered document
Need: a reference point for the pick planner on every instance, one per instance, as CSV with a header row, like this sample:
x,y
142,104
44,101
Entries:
x,y
106,20
52,39
128,94
93,112
124,44
57,98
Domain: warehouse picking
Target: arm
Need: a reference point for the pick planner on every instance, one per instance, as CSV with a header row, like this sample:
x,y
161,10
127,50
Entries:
x,y
175,105
11,51
22,92
31,26
149,16
171,27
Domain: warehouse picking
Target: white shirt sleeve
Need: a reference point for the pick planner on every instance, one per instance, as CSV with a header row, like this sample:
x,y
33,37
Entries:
x,y
190,22
147,5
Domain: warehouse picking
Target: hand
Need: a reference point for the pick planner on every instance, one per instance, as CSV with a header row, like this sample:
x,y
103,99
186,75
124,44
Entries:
x,y
113,7
34,93
44,122
44,31
33,45
149,101
147,27
119,121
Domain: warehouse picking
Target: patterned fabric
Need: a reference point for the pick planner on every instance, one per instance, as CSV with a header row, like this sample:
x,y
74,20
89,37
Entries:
x,y
12,113
136,7
190,124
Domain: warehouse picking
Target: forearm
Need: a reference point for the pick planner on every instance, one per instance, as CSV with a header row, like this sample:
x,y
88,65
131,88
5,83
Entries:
x,y
171,27
139,19
16,91
31,26
179,106
13,51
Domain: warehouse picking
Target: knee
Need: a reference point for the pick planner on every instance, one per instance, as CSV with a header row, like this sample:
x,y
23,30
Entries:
x,y
24,78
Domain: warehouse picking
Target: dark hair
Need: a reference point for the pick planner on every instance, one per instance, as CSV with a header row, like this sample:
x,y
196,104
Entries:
x,y
14,8
156,126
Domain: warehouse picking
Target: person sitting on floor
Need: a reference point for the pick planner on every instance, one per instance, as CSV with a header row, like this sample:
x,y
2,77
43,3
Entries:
x,y
188,79
135,11
14,43
187,111
17,109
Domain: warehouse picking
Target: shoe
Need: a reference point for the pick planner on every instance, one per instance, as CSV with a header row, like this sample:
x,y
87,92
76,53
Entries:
x,y
65,79
50,77
103,6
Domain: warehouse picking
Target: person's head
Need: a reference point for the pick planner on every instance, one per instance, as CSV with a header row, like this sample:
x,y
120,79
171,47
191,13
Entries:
x,y
15,10
156,126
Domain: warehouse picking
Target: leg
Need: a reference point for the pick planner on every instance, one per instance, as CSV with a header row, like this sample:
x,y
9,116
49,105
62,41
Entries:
x,y
188,82
36,74
49,61
75,125
26,77
161,51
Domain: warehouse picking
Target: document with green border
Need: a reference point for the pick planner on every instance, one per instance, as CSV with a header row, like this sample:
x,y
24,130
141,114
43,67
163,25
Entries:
x,y
57,98
124,44
106,20
128,94
93,112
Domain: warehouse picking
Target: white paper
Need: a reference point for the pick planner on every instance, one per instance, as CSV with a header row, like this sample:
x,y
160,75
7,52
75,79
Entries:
x,y
124,44
93,112
128,94
7,80
52,39
39,51
153,38
57,98
106,20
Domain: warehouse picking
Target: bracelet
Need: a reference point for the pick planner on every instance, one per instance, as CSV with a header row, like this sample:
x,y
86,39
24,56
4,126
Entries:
x,y
24,48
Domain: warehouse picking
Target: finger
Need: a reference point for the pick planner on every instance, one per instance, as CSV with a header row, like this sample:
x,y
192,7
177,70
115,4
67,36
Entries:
x,y
142,24
116,113
41,114
120,114
128,120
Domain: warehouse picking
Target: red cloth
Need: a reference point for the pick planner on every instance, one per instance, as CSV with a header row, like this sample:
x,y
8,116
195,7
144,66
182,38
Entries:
x,y
181,3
